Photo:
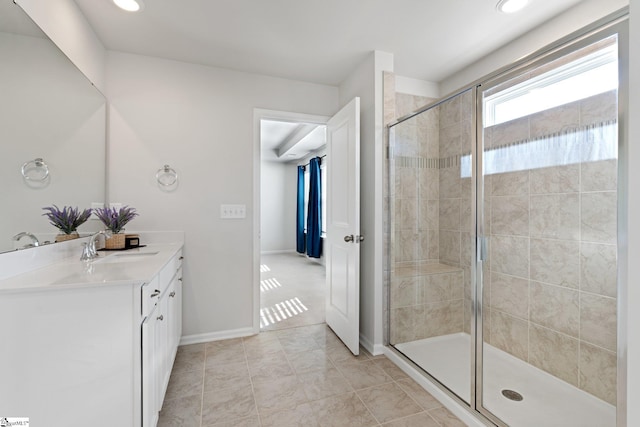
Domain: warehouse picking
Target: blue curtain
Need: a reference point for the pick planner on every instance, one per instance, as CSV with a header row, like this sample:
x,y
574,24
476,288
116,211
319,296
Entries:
x,y
314,210
301,246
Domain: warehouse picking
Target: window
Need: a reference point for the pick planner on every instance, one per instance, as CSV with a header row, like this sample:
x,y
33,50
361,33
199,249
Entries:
x,y
306,196
323,201
591,74
590,71
323,183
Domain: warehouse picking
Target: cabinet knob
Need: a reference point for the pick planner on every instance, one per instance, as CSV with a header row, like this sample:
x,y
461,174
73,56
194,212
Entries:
x,y
172,294
181,258
161,317
180,278
155,293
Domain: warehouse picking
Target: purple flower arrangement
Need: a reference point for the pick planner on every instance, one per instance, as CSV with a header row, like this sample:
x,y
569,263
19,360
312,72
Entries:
x,y
68,219
115,219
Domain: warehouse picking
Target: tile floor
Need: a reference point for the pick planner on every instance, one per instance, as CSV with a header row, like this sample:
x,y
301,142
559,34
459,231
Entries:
x,y
291,291
301,376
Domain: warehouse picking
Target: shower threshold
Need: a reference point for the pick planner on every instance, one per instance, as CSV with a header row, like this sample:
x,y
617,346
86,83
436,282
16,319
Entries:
x,y
546,400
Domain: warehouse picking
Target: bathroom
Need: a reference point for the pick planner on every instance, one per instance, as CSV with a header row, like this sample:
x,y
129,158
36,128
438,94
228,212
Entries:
x,y
208,110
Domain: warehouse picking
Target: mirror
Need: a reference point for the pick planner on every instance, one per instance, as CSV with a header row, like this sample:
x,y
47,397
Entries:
x,y
52,119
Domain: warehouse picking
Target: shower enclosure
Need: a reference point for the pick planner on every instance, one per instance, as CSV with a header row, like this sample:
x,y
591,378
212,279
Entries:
x,y
503,238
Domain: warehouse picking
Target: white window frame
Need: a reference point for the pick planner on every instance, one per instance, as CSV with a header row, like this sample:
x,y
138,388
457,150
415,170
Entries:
x,y
558,83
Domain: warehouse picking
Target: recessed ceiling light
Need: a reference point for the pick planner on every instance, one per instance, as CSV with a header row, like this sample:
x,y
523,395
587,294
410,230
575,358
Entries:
x,y
511,6
130,5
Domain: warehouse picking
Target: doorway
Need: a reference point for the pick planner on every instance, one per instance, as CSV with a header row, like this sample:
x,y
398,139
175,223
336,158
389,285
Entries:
x,y
292,284
341,243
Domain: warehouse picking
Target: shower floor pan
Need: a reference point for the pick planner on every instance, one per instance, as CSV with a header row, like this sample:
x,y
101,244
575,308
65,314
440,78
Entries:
x,y
547,400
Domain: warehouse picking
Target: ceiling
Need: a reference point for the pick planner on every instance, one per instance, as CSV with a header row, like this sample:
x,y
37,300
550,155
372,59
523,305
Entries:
x,y
14,21
284,141
317,41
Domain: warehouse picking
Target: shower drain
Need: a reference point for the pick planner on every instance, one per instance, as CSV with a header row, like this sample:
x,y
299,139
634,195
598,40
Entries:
x,y
512,395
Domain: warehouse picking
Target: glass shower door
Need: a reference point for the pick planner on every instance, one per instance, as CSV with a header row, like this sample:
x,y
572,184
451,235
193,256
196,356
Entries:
x,y
432,240
548,170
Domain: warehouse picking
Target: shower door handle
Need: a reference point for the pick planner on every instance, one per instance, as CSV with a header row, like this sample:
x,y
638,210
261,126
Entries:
x,y
483,251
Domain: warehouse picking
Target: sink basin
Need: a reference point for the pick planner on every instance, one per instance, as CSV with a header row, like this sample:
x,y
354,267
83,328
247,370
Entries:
x,y
127,257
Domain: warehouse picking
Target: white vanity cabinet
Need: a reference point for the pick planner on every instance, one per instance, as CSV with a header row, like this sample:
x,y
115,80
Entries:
x,y
91,347
161,330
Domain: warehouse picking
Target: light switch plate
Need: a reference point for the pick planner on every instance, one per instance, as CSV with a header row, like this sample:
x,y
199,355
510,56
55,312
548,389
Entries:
x,y
233,211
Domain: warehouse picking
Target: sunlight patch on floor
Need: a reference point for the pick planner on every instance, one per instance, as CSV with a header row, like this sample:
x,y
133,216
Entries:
x,y
268,284
281,311
264,268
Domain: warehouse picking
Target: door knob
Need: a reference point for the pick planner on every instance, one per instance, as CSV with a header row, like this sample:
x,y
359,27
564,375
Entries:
x,y
359,239
348,238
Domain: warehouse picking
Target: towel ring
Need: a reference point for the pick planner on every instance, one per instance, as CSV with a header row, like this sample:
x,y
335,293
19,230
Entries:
x,y
166,176
35,164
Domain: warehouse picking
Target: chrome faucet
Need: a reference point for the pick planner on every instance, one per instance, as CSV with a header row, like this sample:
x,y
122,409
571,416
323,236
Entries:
x,y
34,240
89,251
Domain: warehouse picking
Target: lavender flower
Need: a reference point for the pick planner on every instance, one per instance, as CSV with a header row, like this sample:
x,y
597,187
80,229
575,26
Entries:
x,y
68,219
114,219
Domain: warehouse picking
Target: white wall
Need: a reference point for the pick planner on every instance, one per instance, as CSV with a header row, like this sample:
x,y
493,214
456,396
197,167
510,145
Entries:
x,y
417,87
65,24
584,13
58,116
278,188
199,120
366,82
633,213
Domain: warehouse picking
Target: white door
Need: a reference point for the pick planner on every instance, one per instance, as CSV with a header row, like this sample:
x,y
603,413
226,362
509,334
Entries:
x,y
342,248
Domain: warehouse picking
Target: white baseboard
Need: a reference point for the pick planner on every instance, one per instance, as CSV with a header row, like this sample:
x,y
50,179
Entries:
x,y
378,349
367,344
374,349
283,251
447,401
216,336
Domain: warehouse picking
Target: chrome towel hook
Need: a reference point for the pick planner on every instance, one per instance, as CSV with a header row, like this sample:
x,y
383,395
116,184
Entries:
x,y
166,176
39,169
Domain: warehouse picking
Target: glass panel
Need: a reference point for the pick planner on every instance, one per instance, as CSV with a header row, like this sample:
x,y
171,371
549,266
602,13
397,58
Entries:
x,y
49,111
549,285
432,240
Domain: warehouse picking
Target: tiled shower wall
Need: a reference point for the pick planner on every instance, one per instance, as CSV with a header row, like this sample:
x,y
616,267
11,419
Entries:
x,y
416,188
456,128
550,281
430,199
552,267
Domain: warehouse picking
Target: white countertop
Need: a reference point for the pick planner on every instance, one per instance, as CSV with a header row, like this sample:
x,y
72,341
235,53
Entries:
x,y
138,265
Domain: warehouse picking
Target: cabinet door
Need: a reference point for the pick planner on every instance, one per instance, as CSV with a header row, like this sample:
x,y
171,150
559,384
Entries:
x,y
178,305
149,369
175,315
163,370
